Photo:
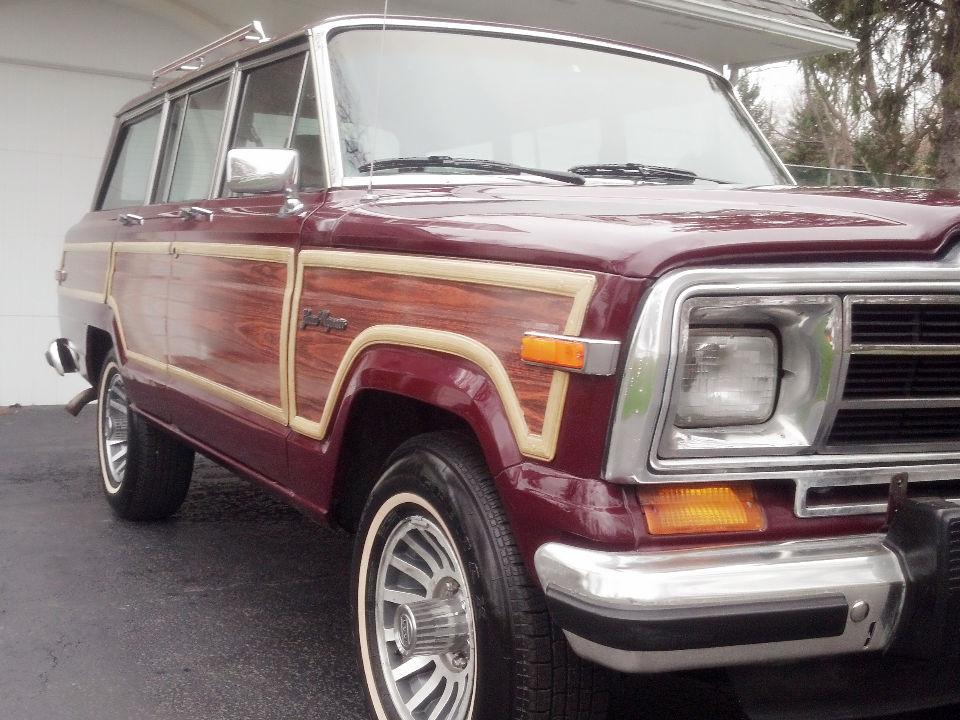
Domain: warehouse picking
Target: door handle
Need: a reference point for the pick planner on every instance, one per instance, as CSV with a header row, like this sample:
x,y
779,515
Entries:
x,y
196,213
128,219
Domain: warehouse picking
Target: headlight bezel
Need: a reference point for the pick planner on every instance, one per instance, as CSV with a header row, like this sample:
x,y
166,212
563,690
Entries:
x,y
808,327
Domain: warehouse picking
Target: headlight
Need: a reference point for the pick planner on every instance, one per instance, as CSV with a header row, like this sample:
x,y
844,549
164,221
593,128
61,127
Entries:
x,y
729,377
752,375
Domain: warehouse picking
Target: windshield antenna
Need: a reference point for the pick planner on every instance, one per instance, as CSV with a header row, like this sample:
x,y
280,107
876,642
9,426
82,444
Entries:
x,y
376,104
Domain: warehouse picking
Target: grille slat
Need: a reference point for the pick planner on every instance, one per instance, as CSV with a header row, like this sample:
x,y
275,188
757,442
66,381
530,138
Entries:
x,y
905,376
906,323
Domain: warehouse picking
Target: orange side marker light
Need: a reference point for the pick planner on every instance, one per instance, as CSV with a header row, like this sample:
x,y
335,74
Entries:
x,y
558,352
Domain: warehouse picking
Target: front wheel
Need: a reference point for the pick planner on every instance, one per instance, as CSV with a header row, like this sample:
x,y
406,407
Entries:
x,y
449,625
146,472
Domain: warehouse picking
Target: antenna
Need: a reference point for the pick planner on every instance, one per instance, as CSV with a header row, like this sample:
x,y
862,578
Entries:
x,y
376,104
195,60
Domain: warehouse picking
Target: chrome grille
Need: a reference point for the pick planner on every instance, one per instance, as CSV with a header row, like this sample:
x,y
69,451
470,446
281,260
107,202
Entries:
x,y
902,376
902,380
906,323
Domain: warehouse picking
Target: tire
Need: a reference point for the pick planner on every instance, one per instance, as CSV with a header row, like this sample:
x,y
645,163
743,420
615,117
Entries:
x,y
436,496
145,472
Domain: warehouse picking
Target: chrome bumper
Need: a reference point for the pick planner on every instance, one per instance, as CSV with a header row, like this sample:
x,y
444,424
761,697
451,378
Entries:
x,y
676,610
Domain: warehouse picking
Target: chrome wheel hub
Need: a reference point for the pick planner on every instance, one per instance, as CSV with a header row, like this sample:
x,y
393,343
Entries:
x,y
115,432
424,624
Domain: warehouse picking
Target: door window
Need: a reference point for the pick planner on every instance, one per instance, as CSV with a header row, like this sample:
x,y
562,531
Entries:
x,y
130,171
278,109
189,164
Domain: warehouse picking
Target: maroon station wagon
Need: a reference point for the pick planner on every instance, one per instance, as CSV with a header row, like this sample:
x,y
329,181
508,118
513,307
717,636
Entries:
x,y
546,323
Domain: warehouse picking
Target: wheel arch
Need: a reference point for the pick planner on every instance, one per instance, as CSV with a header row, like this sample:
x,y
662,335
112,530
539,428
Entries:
x,y
385,403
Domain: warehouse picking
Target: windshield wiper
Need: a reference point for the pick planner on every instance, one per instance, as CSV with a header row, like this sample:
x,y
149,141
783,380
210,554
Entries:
x,y
419,164
640,172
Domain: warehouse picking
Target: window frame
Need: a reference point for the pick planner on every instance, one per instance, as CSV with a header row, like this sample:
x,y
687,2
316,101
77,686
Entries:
x,y
245,68
233,73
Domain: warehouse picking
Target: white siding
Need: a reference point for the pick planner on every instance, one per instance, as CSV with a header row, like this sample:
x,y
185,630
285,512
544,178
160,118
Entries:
x,y
61,80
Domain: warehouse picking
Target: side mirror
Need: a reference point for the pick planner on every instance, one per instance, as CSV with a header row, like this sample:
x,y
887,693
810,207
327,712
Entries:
x,y
262,171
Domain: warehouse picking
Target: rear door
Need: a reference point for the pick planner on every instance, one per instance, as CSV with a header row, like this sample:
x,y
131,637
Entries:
x,y
140,268
232,276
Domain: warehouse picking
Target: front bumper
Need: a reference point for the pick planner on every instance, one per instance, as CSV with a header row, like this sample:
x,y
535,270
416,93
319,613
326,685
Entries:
x,y
676,610
747,604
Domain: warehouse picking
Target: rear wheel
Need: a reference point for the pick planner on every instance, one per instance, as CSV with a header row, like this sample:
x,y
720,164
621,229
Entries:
x,y
146,472
449,625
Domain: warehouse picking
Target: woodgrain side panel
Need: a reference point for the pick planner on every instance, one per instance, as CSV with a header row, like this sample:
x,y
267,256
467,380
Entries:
x,y
87,266
138,295
478,311
225,321
495,317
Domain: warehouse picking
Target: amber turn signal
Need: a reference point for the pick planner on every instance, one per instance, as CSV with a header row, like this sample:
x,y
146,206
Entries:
x,y
689,509
558,352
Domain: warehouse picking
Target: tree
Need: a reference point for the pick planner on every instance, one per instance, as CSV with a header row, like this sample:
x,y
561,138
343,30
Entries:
x,y
749,92
947,65
895,95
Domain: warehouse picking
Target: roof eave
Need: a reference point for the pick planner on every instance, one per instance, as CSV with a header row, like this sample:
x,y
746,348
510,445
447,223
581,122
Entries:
x,y
830,41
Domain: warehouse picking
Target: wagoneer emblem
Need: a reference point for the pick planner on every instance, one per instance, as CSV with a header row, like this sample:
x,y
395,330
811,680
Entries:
x,y
322,319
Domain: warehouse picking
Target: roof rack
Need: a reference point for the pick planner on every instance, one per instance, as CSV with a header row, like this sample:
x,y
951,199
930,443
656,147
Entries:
x,y
196,59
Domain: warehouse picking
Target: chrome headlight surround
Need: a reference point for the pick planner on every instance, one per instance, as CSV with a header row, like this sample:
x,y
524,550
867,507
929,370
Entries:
x,y
808,327
653,351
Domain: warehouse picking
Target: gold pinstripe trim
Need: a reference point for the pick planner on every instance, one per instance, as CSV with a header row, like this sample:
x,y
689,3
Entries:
x,y
579,286
255,253
235,251
90,295
103,246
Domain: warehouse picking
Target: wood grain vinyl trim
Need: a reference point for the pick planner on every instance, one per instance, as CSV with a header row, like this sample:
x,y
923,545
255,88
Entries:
x,y
568,283
257,253
577,285
89,295
541,446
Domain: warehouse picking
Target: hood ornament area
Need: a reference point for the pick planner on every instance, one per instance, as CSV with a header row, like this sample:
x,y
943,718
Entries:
x,y
322,319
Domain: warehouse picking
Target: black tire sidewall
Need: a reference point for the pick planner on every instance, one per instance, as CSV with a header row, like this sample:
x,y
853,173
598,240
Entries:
x,y
443,489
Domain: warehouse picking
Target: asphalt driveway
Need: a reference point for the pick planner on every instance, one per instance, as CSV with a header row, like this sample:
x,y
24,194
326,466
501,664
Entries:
x,y
236,608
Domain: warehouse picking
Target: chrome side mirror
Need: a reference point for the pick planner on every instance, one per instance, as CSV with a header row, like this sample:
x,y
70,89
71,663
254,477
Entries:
x,y
263,171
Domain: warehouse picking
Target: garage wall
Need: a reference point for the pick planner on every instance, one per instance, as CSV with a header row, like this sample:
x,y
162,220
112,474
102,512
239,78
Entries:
x,y
65,67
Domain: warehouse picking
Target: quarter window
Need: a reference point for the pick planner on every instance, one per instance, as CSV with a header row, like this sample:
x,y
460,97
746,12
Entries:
x,y
130,170
193,158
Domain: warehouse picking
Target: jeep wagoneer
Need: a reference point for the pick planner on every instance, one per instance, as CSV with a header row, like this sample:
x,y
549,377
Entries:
x,y
546,323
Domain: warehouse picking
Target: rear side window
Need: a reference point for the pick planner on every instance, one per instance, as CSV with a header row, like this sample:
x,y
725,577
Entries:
x,y
129,172
189,164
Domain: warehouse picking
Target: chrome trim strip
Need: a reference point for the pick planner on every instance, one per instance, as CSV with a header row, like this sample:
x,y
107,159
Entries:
x,y
862,568
900,402
652,360
913,349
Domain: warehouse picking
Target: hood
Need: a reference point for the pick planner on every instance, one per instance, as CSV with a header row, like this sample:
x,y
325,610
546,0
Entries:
x,y
644,230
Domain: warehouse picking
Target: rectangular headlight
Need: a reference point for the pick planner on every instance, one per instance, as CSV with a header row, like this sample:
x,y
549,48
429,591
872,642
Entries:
x,y
729,377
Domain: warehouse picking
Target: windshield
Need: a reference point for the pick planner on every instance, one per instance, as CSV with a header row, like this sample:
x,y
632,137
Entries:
x,y
536,104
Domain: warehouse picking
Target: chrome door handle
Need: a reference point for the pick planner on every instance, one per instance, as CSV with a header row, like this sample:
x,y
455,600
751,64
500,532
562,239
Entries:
x,y
130,219
196,213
